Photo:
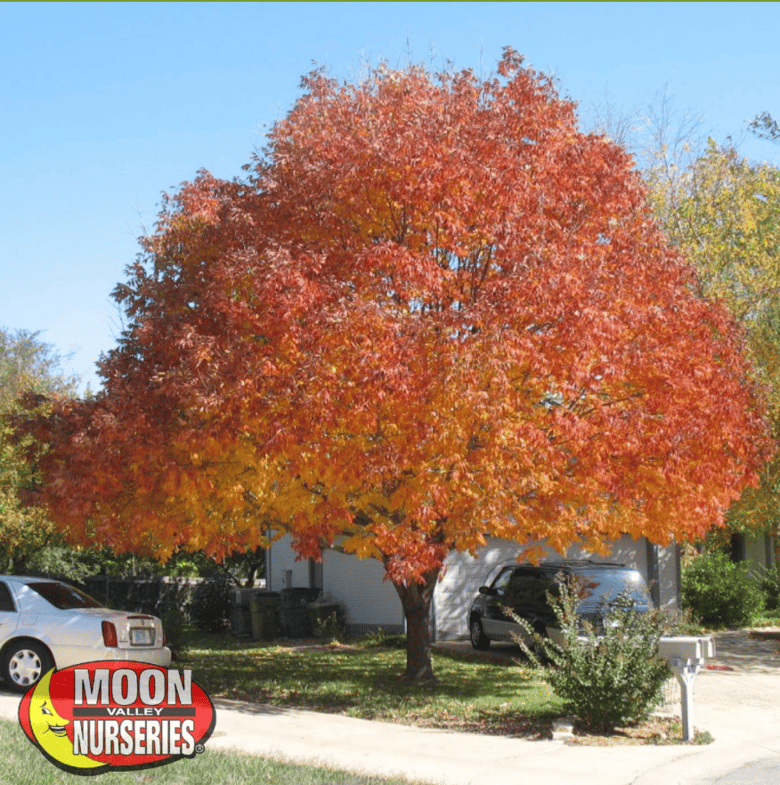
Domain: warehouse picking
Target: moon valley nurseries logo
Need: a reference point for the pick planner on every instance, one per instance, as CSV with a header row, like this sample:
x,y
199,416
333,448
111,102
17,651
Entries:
x,y
102,716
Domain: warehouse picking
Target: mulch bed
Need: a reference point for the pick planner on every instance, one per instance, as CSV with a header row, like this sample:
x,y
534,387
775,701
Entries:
x,y
656,730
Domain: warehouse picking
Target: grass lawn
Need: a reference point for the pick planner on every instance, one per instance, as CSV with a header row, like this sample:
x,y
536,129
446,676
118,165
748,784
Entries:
x,y
363,679
22,764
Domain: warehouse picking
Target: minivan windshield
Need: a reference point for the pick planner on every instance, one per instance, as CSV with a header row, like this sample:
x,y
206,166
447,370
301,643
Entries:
x,y
63,597
608,586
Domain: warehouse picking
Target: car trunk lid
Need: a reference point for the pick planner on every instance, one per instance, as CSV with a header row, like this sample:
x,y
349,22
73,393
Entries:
x,y
135,631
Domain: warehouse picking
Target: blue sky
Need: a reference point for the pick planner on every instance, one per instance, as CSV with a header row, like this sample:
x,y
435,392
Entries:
x,y
106,105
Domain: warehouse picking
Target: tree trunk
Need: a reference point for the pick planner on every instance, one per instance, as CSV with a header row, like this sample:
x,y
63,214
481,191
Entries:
x,y
19,564
416,600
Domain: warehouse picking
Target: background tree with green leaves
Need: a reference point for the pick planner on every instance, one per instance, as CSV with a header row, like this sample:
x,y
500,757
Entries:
x,y
723,211
26,365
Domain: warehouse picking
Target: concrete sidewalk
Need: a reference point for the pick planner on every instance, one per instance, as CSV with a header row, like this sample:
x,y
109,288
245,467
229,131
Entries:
x,y
740,708
741,711
746,729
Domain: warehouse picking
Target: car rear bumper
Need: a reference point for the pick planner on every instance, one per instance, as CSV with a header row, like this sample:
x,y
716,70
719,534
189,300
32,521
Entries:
x,y
75,655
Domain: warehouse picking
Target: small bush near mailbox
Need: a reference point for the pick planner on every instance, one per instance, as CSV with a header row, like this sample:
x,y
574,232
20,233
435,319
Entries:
x,y
721,593
607,678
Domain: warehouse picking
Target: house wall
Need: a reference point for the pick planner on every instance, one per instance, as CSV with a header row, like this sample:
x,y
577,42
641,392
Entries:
x,y
465,574
669,577
283,571
370,601
758,551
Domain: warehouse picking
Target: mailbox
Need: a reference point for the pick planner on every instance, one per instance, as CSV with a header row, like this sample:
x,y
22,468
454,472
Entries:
x,y
685,656
687,648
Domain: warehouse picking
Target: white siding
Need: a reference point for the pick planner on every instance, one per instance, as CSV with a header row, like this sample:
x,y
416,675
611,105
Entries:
x,y
283,567
359,584
669,577
369,601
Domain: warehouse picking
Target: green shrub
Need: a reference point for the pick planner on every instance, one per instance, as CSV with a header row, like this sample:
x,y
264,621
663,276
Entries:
x,y
329,626
607,678
721,593
210,609
174,625
380,639
769,583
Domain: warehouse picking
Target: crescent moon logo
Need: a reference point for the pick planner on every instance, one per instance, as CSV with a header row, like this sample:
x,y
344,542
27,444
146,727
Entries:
x,y
51,732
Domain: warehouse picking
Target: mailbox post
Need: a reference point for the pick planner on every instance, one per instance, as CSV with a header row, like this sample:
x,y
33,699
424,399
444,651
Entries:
x,y
685,656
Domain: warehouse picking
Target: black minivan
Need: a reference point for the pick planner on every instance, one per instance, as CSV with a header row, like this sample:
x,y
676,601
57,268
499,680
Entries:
x,y
524,587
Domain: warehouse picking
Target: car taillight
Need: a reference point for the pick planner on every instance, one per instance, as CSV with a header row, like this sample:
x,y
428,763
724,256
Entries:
x,y
109,635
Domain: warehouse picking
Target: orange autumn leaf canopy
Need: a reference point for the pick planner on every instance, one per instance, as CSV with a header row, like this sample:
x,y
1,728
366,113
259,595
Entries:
x,y
434,311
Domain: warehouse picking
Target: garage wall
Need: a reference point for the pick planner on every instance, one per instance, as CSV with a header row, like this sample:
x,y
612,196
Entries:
x,y
669,577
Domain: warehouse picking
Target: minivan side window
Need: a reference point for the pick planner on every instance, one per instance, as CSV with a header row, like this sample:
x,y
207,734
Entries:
x,y
500,583
527,589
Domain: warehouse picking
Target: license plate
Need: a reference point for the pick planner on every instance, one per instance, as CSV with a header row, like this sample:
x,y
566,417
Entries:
x,y
141,636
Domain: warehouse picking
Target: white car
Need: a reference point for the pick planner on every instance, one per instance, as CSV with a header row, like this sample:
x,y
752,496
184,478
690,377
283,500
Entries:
x,y
47,624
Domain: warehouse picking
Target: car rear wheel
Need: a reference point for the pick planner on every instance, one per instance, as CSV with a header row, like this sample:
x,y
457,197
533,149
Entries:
x,y
24,663
478,638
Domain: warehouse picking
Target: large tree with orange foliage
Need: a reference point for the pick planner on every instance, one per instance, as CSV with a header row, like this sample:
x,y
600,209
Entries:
x,y
433,311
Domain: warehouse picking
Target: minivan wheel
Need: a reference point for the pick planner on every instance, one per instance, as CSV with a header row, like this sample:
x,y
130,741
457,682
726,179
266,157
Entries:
x,y
478,638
